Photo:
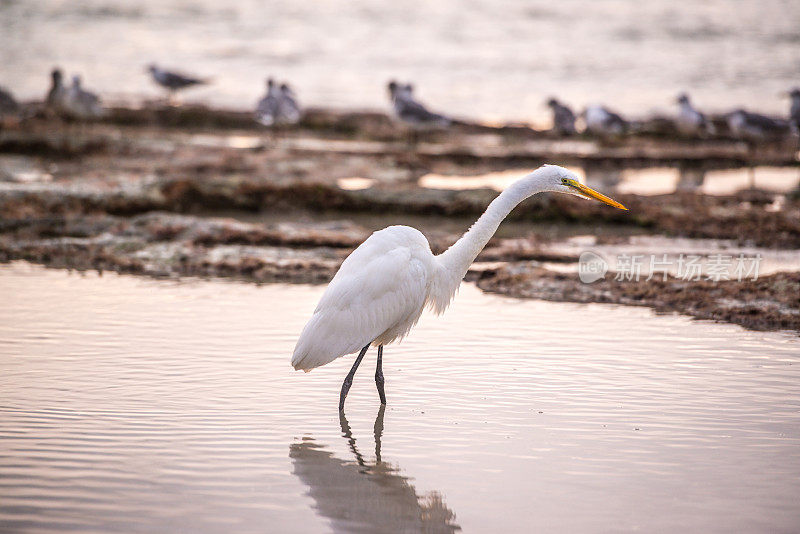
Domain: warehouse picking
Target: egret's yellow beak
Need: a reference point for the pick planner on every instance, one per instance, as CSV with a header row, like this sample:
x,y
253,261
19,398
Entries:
x,y
588,192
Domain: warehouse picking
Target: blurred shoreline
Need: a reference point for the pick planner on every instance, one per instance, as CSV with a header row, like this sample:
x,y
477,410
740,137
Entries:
x,y
195,191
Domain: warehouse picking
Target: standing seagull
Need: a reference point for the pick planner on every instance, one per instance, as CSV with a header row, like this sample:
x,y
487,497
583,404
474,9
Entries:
x,y
794,110
288,108
173,81
80,103
602,121
278,106
563,117
411,111
380,290
689,120
8,105
267,107
57,94
754,127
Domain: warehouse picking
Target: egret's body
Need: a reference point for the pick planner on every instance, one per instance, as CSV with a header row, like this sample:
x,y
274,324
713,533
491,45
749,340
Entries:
x,y
381,289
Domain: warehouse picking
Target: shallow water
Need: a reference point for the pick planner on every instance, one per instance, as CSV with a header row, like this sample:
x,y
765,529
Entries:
x,y
498,59
136,405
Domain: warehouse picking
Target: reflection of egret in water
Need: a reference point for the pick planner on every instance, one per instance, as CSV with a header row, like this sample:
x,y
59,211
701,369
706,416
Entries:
x,y
363,497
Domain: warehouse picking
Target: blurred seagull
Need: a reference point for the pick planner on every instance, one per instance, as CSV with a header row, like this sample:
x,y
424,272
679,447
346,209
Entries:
x,y
267,107
407,90
57,94
173,81
563,117
278,106
689,120
288,108
755,127
602,121
80,103
8,105
794,110
410,111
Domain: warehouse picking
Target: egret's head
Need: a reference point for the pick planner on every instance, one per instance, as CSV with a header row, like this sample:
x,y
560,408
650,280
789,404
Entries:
x,y
561,180
683,98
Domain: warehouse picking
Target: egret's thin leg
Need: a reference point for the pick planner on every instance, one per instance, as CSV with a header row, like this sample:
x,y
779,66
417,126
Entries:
x,y
348,380
379,375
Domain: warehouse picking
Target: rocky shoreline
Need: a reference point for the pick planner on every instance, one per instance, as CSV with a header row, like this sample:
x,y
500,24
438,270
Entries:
x,y
141,193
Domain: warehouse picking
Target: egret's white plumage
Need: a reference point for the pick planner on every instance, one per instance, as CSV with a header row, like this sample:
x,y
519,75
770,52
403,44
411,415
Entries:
x,y
381,289
376,297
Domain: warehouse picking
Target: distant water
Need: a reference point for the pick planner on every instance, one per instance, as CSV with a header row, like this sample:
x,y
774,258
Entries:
x,y
136,405
494,59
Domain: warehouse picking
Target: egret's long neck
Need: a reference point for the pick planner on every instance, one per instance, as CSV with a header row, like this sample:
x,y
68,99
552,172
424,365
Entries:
x,y
455,261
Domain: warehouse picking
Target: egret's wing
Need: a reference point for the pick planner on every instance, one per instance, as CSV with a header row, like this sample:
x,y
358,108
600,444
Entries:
x,y
373,291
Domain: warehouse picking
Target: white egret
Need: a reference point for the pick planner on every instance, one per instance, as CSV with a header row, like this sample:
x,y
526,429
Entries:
x,y
380,290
